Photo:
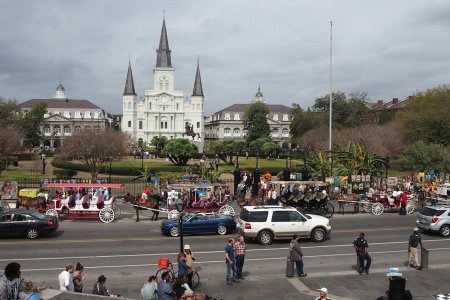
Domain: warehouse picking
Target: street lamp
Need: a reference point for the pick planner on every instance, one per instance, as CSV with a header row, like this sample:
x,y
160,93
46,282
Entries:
x,y
44,163
256,175
387,167
110,162
237,173
142,159
286,171
179,206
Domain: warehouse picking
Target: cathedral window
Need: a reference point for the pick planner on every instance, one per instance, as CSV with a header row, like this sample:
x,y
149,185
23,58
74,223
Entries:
x,y
178,106
129,123
161,85
227,132
162,125
129,105
198,106
149,106
140,124
166,87
275,117
165,125
227,117
285,117
198,124
236,117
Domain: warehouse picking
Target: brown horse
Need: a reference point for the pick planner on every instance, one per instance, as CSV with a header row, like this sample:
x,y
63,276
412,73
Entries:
x,y
38,203
152,204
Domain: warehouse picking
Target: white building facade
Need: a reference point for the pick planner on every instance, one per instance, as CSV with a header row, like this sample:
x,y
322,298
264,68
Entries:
x,y
164,111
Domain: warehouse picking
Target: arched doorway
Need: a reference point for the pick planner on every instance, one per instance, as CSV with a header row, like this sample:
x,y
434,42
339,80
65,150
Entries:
x,y
47,143
56,144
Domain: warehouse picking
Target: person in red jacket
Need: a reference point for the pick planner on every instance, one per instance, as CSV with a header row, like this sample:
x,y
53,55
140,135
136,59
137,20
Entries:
x,y
404,199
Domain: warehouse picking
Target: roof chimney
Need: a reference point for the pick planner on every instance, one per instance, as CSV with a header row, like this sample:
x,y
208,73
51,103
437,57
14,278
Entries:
x,y
410,98
380,103
394,100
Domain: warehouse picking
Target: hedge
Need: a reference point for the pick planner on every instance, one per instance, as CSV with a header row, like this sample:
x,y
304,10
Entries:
x,y
65,173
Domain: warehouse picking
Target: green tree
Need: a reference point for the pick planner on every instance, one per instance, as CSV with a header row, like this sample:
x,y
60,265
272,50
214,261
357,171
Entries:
x,y
427,117
227,150
179,151
255,121
159,142
271,149
255,146
30,123
9,112
421,156
318,164
302,121
358,110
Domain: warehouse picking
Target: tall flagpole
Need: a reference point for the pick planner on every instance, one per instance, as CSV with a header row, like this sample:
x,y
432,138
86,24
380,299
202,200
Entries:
x,y
331,80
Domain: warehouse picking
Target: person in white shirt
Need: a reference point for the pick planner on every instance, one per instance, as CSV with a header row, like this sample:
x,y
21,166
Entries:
x,y
66,279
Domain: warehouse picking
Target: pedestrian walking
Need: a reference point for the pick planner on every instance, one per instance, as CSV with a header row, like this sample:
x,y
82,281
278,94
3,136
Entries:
x,y
10,283
361,247
323,292
78,278
404,200
296,254
65,279
239,251
183,268
190,258
414,241
101,289
230,261
150,288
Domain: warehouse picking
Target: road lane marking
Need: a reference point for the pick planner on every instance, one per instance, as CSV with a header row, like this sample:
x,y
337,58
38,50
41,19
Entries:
x,y
204,252
161,238
246,259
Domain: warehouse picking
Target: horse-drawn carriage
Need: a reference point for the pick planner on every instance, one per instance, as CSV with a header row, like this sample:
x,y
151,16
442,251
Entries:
x,y
198,197
83,201
377,203
442,195
307,196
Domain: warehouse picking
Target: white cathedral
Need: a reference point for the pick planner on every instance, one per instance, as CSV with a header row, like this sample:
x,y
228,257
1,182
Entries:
x,y
164,110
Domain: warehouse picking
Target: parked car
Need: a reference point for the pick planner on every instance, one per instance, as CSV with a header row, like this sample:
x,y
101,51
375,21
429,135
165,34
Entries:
x,y
435,218
266,223
200,223
27,223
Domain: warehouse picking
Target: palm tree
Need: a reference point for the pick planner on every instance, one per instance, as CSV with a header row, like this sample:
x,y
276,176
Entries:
x,y
319,164
146,174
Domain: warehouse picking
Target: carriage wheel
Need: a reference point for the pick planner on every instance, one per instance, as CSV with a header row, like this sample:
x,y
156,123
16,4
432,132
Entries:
x,y
173,214
326,210
52,212
367,206
64,213
4,207
226,210
106,215
410,207
377,209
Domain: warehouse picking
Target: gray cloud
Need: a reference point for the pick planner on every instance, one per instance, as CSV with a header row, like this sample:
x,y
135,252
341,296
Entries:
x,y
388,49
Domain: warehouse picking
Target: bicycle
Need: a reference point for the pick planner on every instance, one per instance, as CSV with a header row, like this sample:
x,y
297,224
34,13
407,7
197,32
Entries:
x,y
174,275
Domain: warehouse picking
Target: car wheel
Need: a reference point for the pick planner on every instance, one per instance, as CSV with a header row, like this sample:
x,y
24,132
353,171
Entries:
x,y
445,230
265,237
318,235
174,231
222,230
32,233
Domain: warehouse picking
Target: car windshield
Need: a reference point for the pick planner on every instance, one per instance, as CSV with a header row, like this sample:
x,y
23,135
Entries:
x,y
431,212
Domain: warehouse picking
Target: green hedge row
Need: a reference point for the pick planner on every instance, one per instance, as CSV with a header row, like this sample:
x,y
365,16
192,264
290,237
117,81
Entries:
x,y
126,171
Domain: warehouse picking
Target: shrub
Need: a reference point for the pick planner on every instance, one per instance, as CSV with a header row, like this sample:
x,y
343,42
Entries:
x,y
65,173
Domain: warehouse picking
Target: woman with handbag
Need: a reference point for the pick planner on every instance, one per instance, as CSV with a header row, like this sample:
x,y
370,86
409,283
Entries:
x,y
190,258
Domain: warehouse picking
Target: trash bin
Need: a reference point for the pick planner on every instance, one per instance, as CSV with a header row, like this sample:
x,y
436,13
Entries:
x,y
289,267
424,258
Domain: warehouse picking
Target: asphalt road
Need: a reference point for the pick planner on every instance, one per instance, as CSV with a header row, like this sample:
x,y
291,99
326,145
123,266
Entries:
x,y
127,253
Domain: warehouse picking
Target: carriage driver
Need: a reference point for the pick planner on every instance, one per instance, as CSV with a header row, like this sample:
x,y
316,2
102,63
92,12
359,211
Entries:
x,y
361,247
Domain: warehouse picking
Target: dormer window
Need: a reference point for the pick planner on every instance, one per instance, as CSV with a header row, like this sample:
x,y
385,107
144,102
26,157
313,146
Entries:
x,y
67,114
87,114
236,117
78,115
96,115
285,117
227,117
275,117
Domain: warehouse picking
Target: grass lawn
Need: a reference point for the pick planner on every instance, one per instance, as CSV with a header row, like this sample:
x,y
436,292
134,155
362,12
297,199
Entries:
x,y
19,173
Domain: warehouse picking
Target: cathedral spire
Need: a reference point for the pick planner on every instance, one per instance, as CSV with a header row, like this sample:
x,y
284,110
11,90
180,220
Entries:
x,y
198,88
163,59
129,83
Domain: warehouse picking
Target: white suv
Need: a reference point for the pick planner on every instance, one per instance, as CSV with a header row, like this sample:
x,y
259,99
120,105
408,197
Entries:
x,y
266,223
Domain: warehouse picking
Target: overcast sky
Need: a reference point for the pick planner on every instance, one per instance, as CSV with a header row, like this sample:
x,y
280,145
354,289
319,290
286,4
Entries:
x,y
386,48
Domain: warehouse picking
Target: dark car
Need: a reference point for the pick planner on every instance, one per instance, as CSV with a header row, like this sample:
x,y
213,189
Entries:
x,y
26,223
197,223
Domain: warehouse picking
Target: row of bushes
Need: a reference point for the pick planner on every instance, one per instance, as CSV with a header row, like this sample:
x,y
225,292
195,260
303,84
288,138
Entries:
x,y
135,171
